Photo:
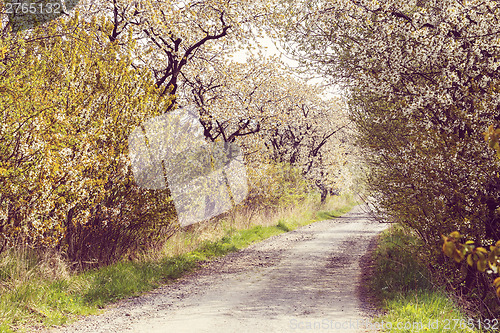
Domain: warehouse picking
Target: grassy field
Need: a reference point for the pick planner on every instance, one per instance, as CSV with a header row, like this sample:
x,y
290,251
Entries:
x,y
406,294
40,291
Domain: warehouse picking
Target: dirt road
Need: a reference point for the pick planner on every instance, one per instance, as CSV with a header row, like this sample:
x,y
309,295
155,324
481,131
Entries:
x,y
301,281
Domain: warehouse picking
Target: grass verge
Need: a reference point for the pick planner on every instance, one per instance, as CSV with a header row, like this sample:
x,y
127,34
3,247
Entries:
x,y
42,293
410,302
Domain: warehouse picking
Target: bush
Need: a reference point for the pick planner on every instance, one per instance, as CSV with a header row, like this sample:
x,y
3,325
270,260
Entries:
x,y
64,179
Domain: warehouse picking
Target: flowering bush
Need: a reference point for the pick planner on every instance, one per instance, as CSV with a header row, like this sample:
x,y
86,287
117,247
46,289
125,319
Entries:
x,y
422,81
69,100
423,84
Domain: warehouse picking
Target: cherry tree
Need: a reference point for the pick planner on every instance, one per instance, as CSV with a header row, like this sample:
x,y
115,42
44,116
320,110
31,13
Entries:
x,y
169,35
274,115
73,89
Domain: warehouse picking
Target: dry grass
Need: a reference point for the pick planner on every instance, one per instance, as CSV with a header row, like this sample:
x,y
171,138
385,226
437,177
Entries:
x,y
21,264
246,218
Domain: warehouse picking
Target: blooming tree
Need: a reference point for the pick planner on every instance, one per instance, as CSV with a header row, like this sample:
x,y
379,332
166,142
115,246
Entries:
x,y
274,115
69,100
73,89
172,34
422,82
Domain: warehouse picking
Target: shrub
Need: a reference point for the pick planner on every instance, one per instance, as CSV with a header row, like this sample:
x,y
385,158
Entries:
x,y
69,100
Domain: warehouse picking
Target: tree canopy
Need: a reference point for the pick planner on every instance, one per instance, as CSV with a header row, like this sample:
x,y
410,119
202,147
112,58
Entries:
x,y
72,90
422,81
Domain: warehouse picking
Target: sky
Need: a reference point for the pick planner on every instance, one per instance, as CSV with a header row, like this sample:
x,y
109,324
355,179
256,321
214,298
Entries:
x,y
271,48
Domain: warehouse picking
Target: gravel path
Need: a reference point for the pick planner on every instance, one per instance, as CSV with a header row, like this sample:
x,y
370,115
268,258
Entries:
x,y
301,281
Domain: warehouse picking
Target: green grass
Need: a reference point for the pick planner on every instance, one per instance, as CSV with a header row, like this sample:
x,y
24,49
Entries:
x,y
426,311
405,292
397,269
326,215
343,205
29,298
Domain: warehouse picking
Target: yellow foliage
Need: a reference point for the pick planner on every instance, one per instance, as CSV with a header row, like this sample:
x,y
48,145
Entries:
x,y
63,142
479,257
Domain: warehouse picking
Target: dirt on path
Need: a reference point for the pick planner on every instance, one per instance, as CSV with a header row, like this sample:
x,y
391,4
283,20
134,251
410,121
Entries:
x,y
302,281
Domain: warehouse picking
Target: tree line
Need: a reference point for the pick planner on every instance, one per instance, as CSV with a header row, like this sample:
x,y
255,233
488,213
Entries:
x,y
422,82
74,88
